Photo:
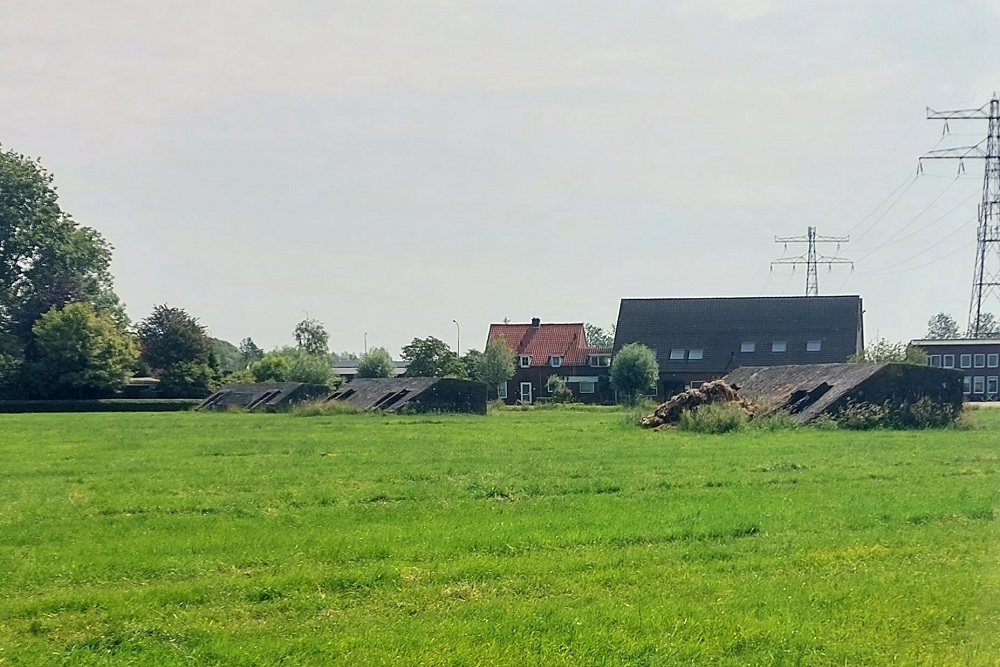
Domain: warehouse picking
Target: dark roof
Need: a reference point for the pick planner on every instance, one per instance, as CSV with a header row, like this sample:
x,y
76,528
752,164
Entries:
x,y
263,395
420,394
566,340
718,326
809,390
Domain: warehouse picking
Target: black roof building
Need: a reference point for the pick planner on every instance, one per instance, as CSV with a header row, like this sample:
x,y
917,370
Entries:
x,y
700,339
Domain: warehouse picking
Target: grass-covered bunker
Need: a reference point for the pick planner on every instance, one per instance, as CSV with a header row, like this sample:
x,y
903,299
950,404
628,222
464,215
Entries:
x,y
263,396
404,394
808,391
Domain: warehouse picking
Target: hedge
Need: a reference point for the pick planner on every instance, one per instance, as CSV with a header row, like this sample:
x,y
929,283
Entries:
x,y
102,405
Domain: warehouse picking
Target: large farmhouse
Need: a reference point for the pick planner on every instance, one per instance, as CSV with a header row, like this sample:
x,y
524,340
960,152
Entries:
x,y
700,339
542,350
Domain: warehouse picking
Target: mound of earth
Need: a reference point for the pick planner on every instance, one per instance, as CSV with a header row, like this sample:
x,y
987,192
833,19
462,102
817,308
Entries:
x,y
716,391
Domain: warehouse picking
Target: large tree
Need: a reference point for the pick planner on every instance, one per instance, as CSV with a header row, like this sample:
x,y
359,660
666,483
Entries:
x,y
170,336
634,371
988,327
47,260
942,326
431,357
496,365
78,352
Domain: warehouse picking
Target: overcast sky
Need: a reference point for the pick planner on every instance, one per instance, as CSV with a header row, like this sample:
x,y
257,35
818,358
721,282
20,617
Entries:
x,y
389,166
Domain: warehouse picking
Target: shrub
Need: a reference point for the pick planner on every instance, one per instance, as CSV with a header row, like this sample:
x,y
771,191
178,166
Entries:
x,y
922,413
862,417
779,420
714,418
560,392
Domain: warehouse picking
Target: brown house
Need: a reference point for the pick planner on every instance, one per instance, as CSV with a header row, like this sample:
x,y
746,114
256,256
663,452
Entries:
x,y
543,350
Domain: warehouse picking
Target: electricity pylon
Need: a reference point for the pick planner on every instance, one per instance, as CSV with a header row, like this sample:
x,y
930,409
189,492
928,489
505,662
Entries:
x,y
986,276
811,259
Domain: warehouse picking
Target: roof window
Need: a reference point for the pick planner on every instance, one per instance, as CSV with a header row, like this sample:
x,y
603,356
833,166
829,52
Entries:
x,y
677,354
555,361
779,345
748,346
696,354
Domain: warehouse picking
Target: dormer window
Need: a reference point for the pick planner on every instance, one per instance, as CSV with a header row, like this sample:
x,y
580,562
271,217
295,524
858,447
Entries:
x,y
600,360
555,361
524,361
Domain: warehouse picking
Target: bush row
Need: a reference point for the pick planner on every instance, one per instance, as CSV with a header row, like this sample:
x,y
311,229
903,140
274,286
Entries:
x,y
101,405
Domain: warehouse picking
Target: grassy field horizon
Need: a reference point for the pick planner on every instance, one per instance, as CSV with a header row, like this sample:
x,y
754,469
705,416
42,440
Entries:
x,y
523,537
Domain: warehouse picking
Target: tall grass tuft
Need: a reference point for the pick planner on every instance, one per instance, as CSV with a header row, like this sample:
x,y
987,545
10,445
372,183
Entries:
x,y
323,408
714,418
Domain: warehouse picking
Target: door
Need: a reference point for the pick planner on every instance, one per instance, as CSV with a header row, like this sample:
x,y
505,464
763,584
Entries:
x,y
526,393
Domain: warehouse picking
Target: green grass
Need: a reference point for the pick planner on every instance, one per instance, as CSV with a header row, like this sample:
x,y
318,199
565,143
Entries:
x,y
543,537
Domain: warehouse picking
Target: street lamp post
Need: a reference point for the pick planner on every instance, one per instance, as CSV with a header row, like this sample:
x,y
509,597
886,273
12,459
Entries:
x,y
366,342
458,341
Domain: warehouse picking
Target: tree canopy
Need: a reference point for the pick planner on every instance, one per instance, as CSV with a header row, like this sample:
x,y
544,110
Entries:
x,y
170,336
376,363
311,336
634,371
47,260
882,350
988,327
78,352
431,357
598,336
942,326
496,365
293,364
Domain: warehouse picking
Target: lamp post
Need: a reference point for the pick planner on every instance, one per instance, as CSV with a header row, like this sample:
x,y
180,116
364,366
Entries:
x,y
366,342
458,341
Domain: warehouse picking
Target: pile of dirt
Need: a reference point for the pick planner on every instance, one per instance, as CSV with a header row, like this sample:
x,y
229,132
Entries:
x,y
716,391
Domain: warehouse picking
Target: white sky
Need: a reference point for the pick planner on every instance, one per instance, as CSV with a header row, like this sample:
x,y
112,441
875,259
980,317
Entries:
x,y
389,166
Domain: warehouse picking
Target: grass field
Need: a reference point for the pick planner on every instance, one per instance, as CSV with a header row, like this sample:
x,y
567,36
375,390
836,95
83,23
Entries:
x,y
543,538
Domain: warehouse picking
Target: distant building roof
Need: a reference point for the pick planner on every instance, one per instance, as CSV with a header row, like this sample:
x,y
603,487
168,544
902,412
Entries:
x,y
720,326
939,342
541,340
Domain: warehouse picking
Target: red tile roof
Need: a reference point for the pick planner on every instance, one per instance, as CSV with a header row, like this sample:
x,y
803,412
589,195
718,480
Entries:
x,y
566,340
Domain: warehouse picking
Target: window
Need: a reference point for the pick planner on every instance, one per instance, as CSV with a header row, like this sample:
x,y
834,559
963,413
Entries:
x,y
966,385
600,360
991,384
677,354
555,361
748,346
524,361
992,360
979,385
697,354
965,361
694,384
979,361
948,361
502,390
934,360
779,346
588,387
814,345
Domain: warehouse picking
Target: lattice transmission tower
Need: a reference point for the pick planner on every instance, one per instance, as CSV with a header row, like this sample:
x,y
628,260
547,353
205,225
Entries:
x,y
986,276
811,258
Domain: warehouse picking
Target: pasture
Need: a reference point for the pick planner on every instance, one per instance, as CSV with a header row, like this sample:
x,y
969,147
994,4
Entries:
x,y
545,537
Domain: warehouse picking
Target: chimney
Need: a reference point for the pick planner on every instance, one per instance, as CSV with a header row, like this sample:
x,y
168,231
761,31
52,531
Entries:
x,y
535,323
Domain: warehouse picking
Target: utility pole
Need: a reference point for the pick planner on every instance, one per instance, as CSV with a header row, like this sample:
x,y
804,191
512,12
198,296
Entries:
x,y
811,258
986,275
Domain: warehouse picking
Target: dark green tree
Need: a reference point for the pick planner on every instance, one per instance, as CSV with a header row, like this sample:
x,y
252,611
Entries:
x,y
311,336
78,352
377,363
170,336
47,260
470,361
634,372
228,355
431,357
